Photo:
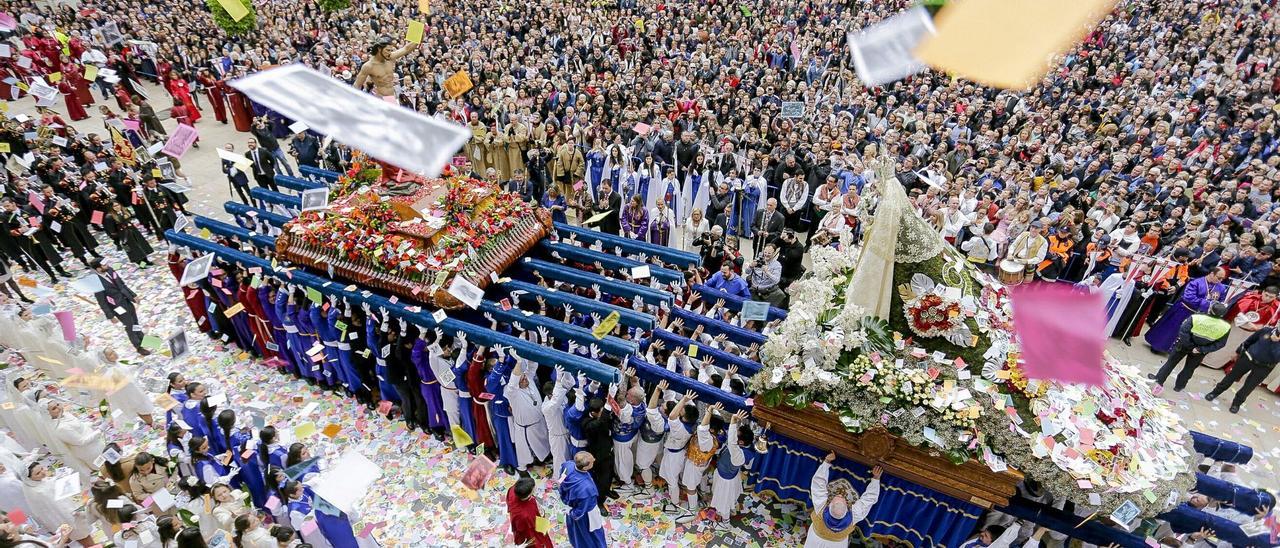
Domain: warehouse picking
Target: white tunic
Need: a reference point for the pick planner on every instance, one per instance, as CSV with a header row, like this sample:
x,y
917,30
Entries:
x,y
528,425
673,448
84,443
725,492
52,512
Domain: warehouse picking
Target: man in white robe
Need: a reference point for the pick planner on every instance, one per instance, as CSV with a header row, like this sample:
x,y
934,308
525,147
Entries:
x,y
528,425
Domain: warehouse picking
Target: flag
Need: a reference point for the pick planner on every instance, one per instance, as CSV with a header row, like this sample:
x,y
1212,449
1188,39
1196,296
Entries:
x,y
124,149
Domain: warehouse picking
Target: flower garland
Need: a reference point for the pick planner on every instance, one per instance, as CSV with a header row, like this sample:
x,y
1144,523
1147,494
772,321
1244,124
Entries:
x,y
1097,446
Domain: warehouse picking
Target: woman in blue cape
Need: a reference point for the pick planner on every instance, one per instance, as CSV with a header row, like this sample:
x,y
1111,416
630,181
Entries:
x,y
1196,298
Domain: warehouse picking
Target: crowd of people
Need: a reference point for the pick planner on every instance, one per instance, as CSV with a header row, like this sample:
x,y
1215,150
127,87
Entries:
x,y
1144,165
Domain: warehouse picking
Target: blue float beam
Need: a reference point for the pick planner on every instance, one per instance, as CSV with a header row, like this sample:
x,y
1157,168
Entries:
x,y
680,383
721,358
611,345
627,316
1245,499
415,315
573,276
317,174
1092,531
732,302
1221,450
713,327
629,246
276,198
232,231
610,261
1185,519
295,183
240,210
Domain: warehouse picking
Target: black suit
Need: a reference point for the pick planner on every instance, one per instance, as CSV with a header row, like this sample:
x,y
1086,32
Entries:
x,y
238,180
116,301
612,223
768,227
264,168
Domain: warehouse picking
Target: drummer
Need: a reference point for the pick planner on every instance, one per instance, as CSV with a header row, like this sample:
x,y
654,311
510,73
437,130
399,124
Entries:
x,y
1028,250
1255,310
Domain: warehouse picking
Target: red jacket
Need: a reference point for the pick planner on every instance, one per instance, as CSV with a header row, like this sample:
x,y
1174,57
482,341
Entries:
x,y
524,521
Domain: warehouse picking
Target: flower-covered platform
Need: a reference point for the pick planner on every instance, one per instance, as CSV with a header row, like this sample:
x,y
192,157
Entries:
x,y
413,236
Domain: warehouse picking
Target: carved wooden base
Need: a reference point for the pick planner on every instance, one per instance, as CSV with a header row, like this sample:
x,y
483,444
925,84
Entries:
x,y
972,481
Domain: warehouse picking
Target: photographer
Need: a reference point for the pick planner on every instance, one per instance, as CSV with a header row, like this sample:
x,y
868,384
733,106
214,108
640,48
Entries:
x,y
262,131
764,275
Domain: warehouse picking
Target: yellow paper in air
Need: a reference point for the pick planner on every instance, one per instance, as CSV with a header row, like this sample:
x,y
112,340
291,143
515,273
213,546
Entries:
x,y
541,524
55,77
460,436
424,7
304,430
606,325
234,8
416,29
4,147
205,233
238,308
90,73
1007,44
155,172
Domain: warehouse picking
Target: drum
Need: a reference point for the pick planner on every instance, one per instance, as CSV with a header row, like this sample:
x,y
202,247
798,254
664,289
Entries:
x,y
1011,272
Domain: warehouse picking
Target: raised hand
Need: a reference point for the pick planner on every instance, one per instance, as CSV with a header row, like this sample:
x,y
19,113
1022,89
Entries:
x,y
830,458
875,472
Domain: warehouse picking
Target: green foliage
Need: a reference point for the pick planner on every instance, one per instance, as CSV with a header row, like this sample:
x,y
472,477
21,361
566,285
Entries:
x,y
230,25
334,5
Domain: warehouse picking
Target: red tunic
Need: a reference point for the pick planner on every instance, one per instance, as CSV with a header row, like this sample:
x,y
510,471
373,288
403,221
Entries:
x,y
181,91
216,90
75,108
75,75
241,111
524,521
475,383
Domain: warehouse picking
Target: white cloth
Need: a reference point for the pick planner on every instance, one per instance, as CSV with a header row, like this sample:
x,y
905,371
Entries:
x,y
52,512
84,444
673,451
129,398
725,492
258,538
448,387
527,424
691,475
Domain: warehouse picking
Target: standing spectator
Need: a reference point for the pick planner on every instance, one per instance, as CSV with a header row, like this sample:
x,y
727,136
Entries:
x,y
264,166
1256,358
118,302
262,131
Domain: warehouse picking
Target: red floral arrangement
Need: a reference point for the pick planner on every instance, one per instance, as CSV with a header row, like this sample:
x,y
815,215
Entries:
x,y
371,231
932,316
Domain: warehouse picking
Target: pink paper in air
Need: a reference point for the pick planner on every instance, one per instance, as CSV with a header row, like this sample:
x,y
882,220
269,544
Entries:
x,y
135,125
7,22
1061,331
180,141
68,323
